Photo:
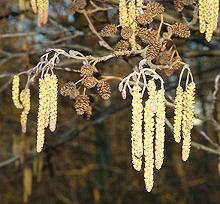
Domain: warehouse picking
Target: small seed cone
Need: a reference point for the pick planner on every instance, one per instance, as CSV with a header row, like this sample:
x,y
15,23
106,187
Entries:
x,y
89,82
25,100
160,129
122,46
154,8
126,33
188,116
104,89
136,133
87,70
77,5
16,91
181,30
147,35
153,50
108,30
144,19
178,114
69,89
82,104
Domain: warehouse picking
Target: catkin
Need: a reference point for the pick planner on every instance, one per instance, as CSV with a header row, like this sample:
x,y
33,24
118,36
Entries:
x,y
139,3
188,116
132,23
178,114
16,91
25,100
136,133
208,17
160,129
42,6
123,13
53,102
34,5
149,112
42,111
27,184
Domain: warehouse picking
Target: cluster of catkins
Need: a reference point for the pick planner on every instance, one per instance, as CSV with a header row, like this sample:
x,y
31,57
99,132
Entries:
x,y
40,7
139,29
153,115
21,100
208,17
47,111
82,100
150,143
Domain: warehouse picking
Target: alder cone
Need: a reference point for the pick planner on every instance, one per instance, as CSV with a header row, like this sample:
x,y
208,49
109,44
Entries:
x,y
181,30
108,30
126,33
104,89
69,89
87,70
153,50
82,104
122,46
89,82
144,19
77,5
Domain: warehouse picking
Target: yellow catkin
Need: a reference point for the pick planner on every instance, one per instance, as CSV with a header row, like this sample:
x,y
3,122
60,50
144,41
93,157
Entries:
x,y
53,102
136,133
27,184
188,116
42,110
160,129
208,17
178,114
123,13
42,6
47,81
16,92
34,5
149,112
25,100
132,23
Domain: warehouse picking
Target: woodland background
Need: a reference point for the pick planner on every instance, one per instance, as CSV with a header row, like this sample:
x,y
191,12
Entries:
x,y
89,161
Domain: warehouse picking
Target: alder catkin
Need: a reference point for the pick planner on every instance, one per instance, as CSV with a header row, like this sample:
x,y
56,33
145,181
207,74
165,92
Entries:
x,y
41,118
160,129
136,133
16,92
178,114
42,6
27,183
149,112
25,100
53,102
34,5
188,116
123,13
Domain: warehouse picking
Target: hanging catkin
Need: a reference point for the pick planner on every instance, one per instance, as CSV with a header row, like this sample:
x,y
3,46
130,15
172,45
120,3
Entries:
x,y
139,3
41,118
25,100
178,114
16,92
208,17
53,102
136,133
123,13
160,129
34,5
132,22
149,112
27,184
188,116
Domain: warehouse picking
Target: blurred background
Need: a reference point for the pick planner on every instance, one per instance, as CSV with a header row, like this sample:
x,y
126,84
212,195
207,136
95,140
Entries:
x,y
89,161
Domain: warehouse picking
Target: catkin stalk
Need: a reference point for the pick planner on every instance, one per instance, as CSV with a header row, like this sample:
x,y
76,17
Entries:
x,y
188,116
136,133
